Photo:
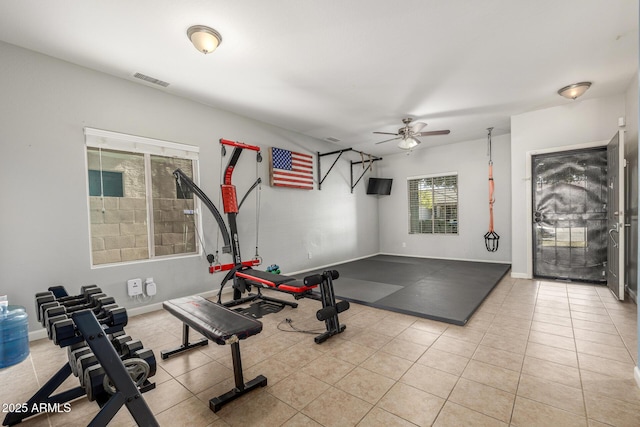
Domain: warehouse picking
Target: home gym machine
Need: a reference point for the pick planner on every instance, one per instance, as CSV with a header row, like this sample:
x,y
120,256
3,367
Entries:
x,y
113,369
242,274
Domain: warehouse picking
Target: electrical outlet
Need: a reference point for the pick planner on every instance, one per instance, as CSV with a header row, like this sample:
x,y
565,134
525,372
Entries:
x,y
134,287
309,254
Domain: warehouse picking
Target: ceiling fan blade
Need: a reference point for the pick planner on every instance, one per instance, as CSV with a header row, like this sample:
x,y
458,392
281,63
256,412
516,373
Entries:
x,y
433,132
417,126
387,140
386,133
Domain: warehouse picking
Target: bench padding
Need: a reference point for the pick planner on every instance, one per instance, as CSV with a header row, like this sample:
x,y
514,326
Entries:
x,y
276,281
216,322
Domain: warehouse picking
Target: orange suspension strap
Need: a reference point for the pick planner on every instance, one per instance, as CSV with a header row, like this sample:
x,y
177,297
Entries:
x,y
491,238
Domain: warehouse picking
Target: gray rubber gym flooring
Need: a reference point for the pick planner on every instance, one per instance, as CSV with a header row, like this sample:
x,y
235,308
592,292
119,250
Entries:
x,y
444,290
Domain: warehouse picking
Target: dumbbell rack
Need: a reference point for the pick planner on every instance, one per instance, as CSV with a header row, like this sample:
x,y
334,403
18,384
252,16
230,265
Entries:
x,y
87,328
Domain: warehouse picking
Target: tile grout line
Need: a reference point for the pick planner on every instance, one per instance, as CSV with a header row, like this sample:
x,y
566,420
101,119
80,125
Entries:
x,y
513,408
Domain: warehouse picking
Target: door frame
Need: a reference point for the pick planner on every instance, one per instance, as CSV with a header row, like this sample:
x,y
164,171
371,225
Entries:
x,y
529,194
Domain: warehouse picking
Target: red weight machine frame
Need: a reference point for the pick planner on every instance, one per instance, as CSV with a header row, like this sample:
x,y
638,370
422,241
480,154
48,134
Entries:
x,y
241,272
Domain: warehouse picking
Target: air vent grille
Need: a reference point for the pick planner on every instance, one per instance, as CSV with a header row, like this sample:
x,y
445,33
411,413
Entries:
x,y
150,80
332,139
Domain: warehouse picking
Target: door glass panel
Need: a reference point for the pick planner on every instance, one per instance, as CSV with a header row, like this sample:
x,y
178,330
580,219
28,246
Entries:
x,y
570,215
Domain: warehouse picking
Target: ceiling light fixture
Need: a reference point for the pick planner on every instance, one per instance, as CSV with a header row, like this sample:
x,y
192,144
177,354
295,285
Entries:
x,y
205,39
408,143
575,90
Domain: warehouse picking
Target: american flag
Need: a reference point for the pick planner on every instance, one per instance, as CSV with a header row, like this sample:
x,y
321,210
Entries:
x,y
291,169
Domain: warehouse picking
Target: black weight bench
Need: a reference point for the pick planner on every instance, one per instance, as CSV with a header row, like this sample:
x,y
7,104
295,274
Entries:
x,y
222,326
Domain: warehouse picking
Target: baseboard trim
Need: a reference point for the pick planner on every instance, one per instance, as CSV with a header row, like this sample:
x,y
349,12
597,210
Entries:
x,y
520,275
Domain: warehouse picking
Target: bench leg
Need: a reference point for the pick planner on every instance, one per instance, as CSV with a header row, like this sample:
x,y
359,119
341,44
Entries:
x,y
186,345
241,388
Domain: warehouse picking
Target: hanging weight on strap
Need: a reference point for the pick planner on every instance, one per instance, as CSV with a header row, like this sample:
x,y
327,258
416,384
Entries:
x,y
491,238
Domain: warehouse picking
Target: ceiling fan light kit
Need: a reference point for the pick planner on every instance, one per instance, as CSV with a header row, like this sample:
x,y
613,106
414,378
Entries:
x,y
205,39
575,90
409,134
408,143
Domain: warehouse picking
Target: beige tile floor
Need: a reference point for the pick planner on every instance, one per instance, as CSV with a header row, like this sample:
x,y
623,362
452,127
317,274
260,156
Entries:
x,y
536,353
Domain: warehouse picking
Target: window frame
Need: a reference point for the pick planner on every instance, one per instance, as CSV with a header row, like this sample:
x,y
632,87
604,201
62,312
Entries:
x,y
108,140
433,231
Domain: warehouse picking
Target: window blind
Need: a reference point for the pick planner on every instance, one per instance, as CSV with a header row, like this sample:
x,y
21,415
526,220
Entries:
x,y
433,204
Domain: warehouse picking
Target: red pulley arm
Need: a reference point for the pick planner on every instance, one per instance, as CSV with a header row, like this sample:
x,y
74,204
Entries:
x,y
226,267
239,144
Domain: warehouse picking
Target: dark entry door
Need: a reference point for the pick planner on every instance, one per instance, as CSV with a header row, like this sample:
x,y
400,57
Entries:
x,y
615,216
570,215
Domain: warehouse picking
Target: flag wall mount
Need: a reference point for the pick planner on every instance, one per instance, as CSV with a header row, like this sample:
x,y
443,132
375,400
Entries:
x,y
366,160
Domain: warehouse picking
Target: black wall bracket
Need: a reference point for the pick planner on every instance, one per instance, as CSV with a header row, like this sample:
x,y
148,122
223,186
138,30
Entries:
x,y
366,162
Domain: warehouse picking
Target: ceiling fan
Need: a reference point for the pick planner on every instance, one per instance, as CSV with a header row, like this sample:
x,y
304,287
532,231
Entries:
x,y
409,134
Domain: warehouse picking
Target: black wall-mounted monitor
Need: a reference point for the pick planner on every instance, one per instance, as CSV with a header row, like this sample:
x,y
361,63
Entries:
x,y
379,186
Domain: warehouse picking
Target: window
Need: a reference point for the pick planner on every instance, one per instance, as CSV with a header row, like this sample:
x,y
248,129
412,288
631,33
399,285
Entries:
x,y
136,210
105,183
433,204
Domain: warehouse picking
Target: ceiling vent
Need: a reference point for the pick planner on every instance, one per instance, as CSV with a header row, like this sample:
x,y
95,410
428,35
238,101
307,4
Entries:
x,y
150,80
332,139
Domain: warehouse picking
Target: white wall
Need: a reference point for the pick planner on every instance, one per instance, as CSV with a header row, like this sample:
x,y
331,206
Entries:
x,y
44,237
577,122
470,160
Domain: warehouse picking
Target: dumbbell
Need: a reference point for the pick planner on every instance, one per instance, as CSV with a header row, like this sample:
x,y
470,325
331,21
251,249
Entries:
x,y
82,358
92,381
95,300
55,293
85,360
72,348
50,301
119,342
76,356
56,314
83,363
128,349
63,328
140,367
96,303
60,292
78,350
44,298
147,355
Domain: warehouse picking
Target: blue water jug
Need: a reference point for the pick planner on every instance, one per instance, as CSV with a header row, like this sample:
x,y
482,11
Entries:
x,y
14,336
